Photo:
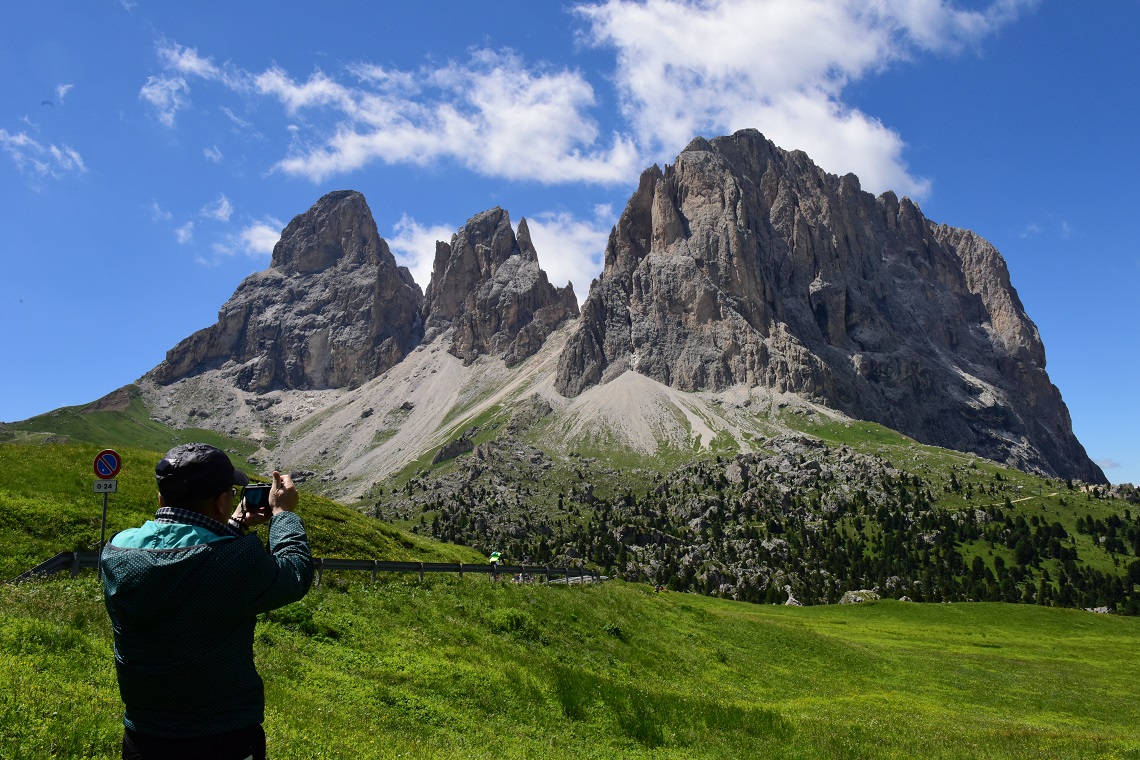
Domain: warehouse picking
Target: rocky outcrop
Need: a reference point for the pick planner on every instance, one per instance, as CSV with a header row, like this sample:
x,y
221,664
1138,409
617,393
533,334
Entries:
x,y
333,310
746,264
488,287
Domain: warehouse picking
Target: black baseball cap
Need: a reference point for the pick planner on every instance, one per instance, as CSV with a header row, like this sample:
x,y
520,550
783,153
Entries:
x,y
195,471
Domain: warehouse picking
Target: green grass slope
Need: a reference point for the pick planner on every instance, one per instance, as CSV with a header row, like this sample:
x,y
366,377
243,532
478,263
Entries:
x,y
453,668
122,422
47,505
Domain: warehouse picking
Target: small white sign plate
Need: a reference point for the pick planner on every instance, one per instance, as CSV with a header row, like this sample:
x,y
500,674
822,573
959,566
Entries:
x,y
106,486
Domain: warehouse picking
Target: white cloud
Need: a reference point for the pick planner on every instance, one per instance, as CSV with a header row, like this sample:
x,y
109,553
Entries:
x,y
212,154
259,238
168,95
385,80
1107,464
62,90
237,120
255,240
1050,227
318,91
684,67
67,158
158,213
688,67
220,210
185,233
493,114
413,245
40,161
187,61
571,249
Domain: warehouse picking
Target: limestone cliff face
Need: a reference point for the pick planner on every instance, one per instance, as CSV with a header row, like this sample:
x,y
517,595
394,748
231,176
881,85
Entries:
x,y
333,310
487,285
746,264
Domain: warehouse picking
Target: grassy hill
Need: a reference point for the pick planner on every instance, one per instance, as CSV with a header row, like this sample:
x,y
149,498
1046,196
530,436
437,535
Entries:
x,y
47,505
120,419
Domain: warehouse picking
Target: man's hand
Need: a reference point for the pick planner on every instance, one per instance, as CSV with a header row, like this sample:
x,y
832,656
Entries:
x,y
283,495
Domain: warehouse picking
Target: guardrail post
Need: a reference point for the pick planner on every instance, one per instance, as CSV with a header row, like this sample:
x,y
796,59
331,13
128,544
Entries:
x,y
374,563
421,572
74,564
320,570
460,571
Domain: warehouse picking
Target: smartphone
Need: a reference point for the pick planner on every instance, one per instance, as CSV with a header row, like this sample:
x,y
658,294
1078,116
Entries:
x,y
256,496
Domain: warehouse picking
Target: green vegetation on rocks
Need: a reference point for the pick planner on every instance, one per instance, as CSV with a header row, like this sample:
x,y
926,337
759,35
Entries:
x,y
842,507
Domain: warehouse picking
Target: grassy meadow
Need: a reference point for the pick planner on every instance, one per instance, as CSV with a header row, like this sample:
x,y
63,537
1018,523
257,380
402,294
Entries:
x,y
453,668
466,668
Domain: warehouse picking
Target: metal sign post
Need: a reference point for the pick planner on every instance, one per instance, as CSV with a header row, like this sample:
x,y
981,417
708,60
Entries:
x,y
107,466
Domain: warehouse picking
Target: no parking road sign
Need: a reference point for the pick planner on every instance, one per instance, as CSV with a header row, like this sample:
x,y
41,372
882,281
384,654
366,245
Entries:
x,y
107,464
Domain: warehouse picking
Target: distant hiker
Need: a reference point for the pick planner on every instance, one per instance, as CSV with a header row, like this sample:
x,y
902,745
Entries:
x,y
495,564
183,592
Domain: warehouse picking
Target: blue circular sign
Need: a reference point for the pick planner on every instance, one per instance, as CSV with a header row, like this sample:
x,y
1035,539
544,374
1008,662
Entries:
x,y
107,464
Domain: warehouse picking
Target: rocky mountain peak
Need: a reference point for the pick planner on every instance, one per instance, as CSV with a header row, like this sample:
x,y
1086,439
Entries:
x,y
338,225
333,309
487,287
742,263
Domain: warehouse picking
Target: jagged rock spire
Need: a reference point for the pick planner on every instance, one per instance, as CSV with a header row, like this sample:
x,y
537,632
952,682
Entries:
x,y
488,288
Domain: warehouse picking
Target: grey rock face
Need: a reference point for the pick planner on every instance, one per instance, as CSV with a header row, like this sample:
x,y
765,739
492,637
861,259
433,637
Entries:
x,y
745,263
488,286
333,310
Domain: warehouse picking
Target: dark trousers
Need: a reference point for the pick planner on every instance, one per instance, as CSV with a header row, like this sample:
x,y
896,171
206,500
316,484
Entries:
x,y
234,745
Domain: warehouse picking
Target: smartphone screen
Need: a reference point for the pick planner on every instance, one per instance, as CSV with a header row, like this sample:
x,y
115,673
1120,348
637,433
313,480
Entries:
x,y
256,497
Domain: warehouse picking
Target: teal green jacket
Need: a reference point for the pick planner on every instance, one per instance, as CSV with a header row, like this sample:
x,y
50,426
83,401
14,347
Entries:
x,y
183,602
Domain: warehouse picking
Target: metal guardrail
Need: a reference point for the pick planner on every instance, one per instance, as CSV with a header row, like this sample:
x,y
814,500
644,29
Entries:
x,y
76,561
64,560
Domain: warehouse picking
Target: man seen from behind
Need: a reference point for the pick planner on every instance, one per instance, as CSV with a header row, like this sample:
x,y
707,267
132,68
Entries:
x,y
183,592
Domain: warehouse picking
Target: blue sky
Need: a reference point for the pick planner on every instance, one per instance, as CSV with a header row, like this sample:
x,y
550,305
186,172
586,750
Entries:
x,y
150,155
